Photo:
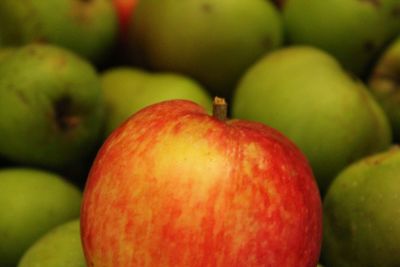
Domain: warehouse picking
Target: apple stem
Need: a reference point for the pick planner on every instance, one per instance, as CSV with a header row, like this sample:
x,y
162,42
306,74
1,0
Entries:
x,y
220,108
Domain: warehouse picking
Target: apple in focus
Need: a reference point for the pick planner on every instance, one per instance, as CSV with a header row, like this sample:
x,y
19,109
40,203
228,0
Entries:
x,y
174,186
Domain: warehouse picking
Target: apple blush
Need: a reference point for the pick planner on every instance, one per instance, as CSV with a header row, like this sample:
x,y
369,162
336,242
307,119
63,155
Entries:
x,y
175,187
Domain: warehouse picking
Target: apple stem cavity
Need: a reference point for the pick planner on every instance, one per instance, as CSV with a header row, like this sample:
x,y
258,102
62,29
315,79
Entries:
x,y
220,109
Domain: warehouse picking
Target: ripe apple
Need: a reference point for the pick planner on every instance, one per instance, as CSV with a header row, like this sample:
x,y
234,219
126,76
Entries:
x,y
126,90
212,41
304,92
59,247
174,186
32,201
89,28
51,107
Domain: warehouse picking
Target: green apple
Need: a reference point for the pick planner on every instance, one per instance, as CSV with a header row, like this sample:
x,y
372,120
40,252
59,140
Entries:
x,y
304,92
213,41
60,247
353,31
384,82
87,27
32,201
361,213
51,106
5,51
127,90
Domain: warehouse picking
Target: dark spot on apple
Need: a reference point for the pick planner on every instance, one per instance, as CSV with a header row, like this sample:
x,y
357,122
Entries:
x,y
82,11
206,7
21,96
266,42
380,158
60,62
375,3
40,40
369,46
396,11
65,119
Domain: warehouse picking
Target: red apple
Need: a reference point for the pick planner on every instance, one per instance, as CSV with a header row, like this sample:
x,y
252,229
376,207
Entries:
x,y
124,10
176,187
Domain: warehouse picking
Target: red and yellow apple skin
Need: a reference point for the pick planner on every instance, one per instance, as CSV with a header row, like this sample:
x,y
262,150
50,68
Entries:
x,y
176,187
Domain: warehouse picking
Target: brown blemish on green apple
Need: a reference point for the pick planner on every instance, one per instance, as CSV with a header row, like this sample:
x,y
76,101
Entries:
x,y
369,46
375,3
267,42
82,11
206,7
381,158
386,78
21,96
63,115
396,11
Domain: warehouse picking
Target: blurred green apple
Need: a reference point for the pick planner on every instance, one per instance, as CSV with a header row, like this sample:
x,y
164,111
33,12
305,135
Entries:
x,y
384,82
305,93
87,27
60,247
32,201
51,107
213,41
127,90
354,32
5,51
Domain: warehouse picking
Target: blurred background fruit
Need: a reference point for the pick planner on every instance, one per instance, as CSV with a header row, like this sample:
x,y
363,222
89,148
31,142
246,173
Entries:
x,y
125,9
305,93
354,32
361,214
59,247
211,41
384,82
127,90
32,201
89,28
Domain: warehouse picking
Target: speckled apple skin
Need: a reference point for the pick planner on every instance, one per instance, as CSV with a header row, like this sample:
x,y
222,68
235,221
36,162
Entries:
x,y
176,187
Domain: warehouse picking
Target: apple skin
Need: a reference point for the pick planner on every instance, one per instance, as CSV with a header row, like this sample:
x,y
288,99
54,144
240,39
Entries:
x,y
126,90
59,247
384,83
211,41
354,32
32,201
89,28
337,122
51,107
174,186
361,213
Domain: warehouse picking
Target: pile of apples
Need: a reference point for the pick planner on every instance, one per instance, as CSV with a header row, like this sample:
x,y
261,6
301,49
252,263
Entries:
x,y
199,133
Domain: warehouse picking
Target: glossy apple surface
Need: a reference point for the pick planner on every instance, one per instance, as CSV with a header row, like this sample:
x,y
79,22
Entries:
x,y
174,186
